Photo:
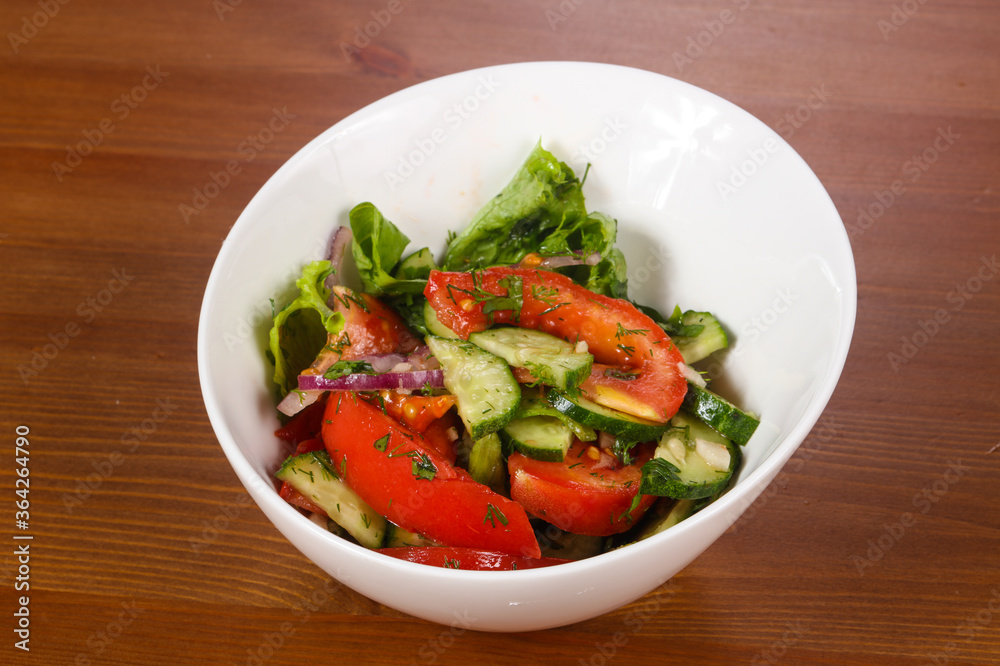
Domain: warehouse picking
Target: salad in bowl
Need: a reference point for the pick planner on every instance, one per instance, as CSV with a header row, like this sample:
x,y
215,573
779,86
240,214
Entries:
x,y
506,405
466,383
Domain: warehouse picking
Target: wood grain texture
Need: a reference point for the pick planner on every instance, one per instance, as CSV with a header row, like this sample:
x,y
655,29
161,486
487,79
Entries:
x,y
163,560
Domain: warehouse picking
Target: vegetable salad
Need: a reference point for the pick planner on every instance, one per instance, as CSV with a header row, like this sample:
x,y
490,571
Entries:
x,y
507,407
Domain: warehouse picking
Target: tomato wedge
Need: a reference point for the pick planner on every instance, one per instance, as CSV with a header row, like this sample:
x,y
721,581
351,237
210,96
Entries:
x,y
442,436
295,498
636,369
304,425
428,415
403,478
589,493
469,558
370,327
416,411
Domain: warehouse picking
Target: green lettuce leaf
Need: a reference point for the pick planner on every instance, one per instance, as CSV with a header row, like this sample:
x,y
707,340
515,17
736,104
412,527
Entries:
x,y
608,277
542,210
673,325
377,248
301,329
543,200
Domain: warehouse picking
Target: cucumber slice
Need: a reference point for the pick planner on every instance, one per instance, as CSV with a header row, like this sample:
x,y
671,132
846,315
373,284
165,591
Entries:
x,y
313,475
537,405
397,537
416,266
434,325
486,462
623,426
552,360
329,525
544,438
554,542
664,515
725,417
692,461
711,338
486,392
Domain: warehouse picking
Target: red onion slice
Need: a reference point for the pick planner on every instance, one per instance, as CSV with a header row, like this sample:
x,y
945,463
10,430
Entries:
x,y
419,359
560,261
383,362
362,382
341,240
296,401
575,260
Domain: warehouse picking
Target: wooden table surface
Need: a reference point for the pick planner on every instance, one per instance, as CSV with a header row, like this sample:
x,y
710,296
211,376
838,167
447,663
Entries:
x,y
879,543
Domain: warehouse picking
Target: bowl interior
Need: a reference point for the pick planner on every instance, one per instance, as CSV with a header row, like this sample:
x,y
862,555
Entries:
x,y
715,212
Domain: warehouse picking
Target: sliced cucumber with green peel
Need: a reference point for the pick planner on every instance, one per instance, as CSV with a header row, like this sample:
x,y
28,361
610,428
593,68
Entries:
x,y
554,542
416,266
711,339
313,475
664,515
544,438
692,461
552,360
397,537
486,392
623,426
486,463
725,417
434,324
329,525
537,405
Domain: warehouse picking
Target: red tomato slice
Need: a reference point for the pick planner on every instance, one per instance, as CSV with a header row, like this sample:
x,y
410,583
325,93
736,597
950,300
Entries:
x,y
416,411
469,558
438,437
304,425
388,465
310,445
589,493
621,338
291,495
295,498
370,327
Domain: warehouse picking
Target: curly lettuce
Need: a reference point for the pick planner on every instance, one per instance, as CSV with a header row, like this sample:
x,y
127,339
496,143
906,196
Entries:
x,y
377,249
542,210
301,329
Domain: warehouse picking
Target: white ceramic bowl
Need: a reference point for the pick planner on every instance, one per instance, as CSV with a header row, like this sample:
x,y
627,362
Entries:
x,y
715,211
